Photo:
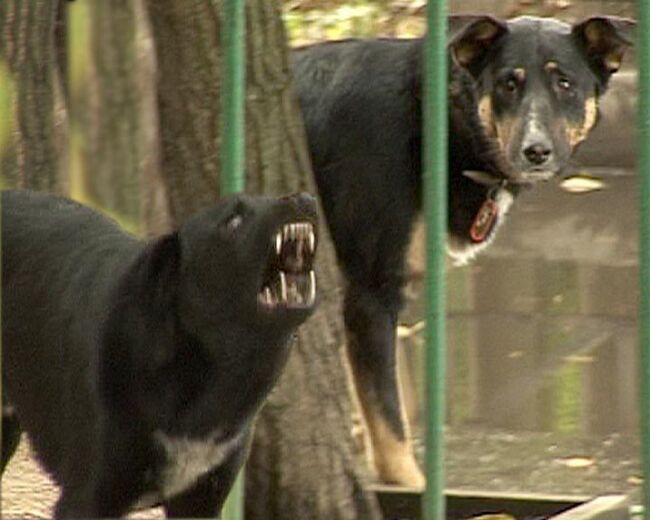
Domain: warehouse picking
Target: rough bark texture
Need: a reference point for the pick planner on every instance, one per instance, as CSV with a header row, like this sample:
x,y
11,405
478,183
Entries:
x,y
186,39
302,463
28,50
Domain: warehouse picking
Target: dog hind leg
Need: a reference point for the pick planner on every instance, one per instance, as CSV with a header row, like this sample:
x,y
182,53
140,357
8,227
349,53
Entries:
x,y
371,330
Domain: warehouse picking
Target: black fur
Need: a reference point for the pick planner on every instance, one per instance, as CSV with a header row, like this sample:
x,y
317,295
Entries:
x,y
361,103
113,346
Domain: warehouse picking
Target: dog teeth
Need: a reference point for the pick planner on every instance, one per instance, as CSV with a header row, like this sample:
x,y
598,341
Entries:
x,y
278,243
283,286
312,241
302,233
290,290
312,288
266,297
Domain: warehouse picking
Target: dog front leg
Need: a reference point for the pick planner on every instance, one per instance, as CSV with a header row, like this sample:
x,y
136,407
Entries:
x,y
205,499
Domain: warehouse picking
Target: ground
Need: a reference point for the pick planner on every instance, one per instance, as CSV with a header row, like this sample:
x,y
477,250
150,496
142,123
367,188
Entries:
x,y
28,493
543,463
477,459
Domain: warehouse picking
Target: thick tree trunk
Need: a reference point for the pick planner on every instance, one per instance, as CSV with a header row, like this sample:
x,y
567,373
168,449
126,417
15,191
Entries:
x,y
302,463
29,52
185,36
108,109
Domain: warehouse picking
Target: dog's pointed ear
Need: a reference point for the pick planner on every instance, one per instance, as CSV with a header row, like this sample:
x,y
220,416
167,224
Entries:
x,y
160,269
604,40
471,39
143,311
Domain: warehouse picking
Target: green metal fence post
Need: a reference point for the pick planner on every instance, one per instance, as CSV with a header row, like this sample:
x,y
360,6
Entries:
x,y
435,202
644,238
232,96
232,177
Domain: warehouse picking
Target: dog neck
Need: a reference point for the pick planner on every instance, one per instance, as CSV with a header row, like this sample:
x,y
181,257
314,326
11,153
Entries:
x,y
481,201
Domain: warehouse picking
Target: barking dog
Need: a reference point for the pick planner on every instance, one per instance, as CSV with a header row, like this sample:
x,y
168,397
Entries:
x,y
523,94
137,368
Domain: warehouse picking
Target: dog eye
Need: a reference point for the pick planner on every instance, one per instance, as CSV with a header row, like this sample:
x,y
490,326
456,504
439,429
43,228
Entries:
x,y
511,85
234,222
564,84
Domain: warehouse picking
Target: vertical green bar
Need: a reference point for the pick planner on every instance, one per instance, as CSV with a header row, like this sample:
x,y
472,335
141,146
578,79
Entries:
x,y
644,238
233,153
232,97
435,203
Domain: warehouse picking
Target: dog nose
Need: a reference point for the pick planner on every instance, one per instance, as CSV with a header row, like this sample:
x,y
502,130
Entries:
x,y
537,153
302,201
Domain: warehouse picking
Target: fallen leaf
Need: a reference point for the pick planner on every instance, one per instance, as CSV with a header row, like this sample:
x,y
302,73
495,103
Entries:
x,y
577,462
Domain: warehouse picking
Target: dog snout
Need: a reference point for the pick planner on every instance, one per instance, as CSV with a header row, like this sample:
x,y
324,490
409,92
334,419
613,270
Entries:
x,y
538,153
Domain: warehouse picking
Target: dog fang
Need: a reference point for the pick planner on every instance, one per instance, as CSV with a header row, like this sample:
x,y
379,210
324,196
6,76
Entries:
x,y
283,285
278,243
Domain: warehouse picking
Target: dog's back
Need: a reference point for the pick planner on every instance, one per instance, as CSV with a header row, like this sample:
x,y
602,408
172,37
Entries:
x,y
54,254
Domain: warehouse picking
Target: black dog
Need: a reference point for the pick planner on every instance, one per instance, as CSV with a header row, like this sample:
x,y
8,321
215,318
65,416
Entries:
x,y
137,368
523,93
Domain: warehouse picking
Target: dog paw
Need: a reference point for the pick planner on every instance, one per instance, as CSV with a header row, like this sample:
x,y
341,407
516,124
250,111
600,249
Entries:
x,y
400,469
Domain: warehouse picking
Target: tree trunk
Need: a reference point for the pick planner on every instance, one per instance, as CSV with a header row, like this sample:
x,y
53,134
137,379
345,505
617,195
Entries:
x,y
113,106
110,118
38,115
302,463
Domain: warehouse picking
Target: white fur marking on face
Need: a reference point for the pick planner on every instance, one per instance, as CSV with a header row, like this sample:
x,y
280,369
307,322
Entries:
x,y
463,251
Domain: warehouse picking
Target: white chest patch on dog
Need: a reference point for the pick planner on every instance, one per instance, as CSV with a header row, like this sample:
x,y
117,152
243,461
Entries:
x,y
463,251
187,460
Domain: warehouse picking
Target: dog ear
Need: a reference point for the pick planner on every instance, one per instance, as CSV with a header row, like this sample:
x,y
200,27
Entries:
x,y
160,271
141,328
472,37
604,40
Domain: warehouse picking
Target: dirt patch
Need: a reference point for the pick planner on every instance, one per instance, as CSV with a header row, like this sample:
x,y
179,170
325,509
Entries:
x,y
29,493
529,462
477,459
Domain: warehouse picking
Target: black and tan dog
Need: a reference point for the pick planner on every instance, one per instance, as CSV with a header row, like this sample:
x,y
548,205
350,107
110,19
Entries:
x,y
523,94
137,368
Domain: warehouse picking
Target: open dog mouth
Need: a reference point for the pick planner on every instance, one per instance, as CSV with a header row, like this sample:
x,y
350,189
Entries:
x,y
289,280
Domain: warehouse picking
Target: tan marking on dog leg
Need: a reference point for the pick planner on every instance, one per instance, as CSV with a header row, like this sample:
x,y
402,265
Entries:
x,y
360,435
392,458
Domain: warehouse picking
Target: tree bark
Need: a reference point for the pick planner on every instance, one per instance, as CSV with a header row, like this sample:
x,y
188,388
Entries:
x,y
108,110
302,463
29,51
185,36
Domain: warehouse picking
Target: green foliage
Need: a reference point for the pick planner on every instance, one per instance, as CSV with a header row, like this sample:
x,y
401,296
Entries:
x,y
7,93
353,19
569,397
309,21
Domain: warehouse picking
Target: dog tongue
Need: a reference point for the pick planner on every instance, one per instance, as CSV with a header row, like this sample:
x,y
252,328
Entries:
x,y
484,221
